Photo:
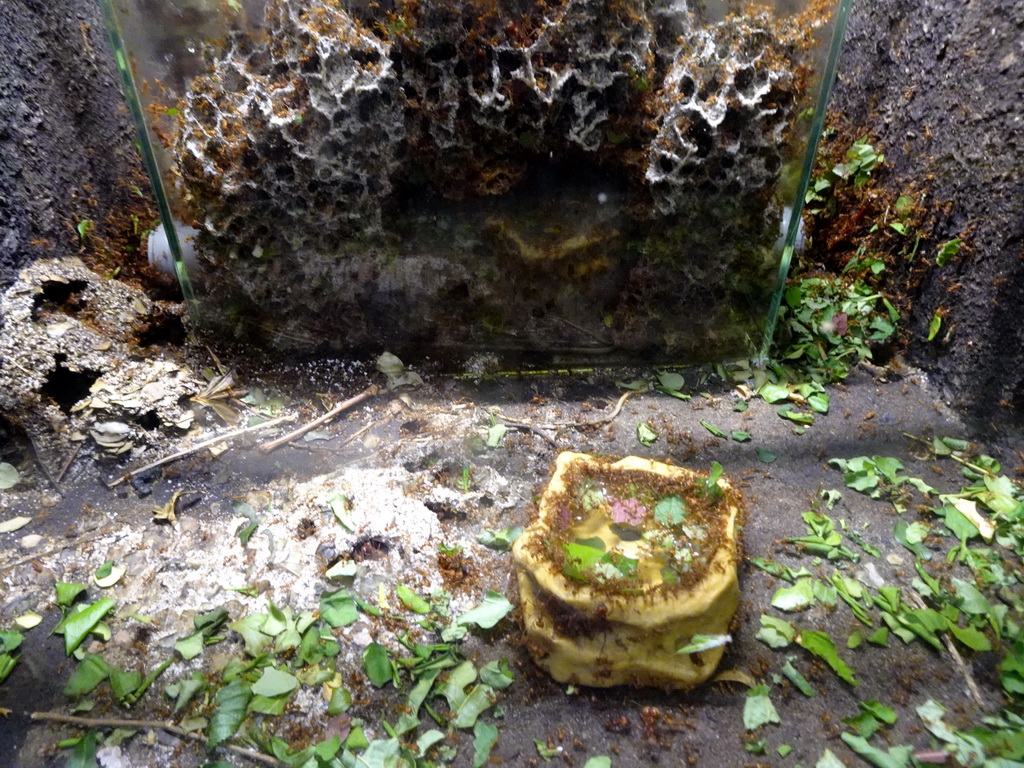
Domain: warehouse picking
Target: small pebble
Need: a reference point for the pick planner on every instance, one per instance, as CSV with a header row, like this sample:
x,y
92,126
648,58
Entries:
x,y
31,541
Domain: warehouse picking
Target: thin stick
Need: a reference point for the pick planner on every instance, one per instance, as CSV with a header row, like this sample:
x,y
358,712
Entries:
x,y
113,722
554,424
47,553
972,686
525,425
67,464
355,435
199,447
370,391
42,464
954,457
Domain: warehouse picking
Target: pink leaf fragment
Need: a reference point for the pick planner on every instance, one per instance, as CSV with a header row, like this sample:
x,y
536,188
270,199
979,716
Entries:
x,y
563,519
628,511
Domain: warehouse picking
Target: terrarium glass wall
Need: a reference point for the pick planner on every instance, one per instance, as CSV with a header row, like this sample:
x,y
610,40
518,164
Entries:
x,y
541,181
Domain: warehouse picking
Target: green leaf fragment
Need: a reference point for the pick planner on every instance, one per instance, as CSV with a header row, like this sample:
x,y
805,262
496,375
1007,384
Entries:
x,y
787,411
712,428
879,637
829,760
598,761
411,600
497,674
67,592
232,702
493,609
485,736
758,709
797,679
378,665
701,643
670,511
645,433
495,434
89,673
124,682
500,539
775,633
428,739
77,625
795,598
819,402
773,393
821,645
340,702
9,476
275,682
897,757
338,608
83,754
478,701
740,436
765,456
341,506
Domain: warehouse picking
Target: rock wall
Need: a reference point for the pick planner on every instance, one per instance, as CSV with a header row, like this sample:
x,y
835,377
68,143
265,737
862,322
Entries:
x,y
940,84
67,146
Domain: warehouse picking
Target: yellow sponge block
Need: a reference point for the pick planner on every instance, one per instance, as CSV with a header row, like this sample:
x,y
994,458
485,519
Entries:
x,y
626,563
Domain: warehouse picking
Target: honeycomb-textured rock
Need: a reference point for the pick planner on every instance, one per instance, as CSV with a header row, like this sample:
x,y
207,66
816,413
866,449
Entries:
x,y
293,136
723,112
590,176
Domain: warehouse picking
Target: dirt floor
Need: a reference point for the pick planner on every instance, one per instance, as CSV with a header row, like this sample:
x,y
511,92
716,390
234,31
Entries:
x,y
421,481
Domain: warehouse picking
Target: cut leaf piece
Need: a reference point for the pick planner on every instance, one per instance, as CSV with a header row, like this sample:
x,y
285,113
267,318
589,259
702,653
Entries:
x,y
411,600
338,608
377,664
485,736
493,609
76,626
9,477
232,702
28,620
758,709
111,576
821,645
645,433
897,757
274,682
699,643
775,633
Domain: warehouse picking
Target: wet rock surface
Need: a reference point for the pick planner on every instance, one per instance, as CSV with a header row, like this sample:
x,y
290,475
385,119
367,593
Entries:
x,y
940,85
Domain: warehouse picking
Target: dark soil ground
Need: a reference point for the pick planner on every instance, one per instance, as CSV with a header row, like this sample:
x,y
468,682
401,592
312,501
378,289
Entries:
x,y
429,436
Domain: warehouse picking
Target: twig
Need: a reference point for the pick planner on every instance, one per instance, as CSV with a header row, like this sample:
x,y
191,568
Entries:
x,y
67,464
199,447
555,424
954,457
113,722
71,543
355,435
972,686
370,391
42,464
525,425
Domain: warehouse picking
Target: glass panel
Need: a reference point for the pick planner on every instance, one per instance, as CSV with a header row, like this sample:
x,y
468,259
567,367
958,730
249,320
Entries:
x,y
537,182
